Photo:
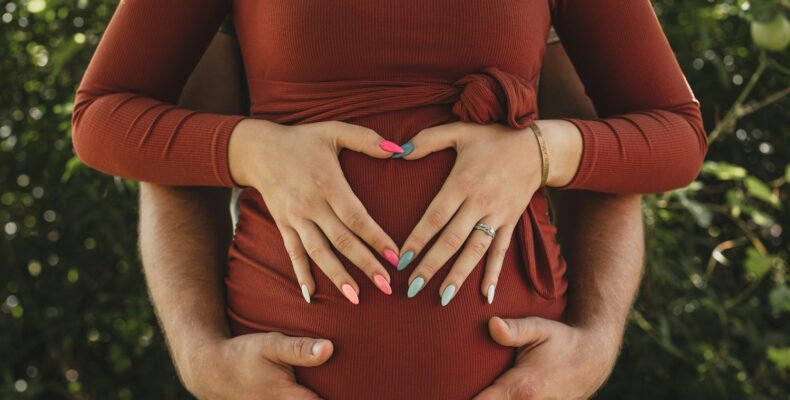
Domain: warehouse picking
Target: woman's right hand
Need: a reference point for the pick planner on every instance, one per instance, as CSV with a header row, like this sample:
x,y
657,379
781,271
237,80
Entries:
x,y
297,172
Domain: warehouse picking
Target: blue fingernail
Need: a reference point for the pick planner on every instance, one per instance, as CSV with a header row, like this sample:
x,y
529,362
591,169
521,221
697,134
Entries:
x,y
416,286
407,147
448,294
405,259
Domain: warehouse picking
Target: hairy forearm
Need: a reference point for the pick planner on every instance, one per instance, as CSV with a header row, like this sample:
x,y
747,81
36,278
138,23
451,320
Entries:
x,y
185,231
600,234
183,244
603,242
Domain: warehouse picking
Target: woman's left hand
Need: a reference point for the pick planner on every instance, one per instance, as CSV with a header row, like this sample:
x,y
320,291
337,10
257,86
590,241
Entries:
x,y
496,172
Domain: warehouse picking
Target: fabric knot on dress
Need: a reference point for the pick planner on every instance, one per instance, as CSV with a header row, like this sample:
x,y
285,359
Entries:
x,y
494,95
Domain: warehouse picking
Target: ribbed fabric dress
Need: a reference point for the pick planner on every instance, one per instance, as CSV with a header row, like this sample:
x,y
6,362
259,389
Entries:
x,y
397,67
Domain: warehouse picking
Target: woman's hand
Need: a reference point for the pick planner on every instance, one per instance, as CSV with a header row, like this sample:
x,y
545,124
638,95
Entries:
x,y
496,172
297,171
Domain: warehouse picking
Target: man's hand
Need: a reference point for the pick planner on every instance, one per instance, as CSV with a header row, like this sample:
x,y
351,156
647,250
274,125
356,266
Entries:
x,y
555,360
254,366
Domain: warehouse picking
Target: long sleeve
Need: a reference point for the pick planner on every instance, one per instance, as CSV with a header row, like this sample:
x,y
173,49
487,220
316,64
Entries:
x,y
125,122
649,137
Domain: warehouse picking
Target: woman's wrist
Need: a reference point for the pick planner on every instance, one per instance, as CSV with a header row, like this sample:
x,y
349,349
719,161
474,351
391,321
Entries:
x,y
247,136
563,143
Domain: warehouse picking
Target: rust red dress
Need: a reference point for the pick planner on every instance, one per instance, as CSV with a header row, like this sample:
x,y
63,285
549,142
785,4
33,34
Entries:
x,y
397,67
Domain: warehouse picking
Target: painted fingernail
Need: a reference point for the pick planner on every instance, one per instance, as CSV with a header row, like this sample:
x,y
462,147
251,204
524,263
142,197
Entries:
x,y
391,256
407,147
382,284
305,293
350,294
490,296
391,147
448,294
405,259
416,286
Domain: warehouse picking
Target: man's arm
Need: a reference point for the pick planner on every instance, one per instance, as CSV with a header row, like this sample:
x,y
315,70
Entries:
x,y
184,237
602,240
185,231
601,234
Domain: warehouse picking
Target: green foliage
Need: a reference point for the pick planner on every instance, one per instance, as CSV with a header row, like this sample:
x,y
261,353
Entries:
x,y
711,320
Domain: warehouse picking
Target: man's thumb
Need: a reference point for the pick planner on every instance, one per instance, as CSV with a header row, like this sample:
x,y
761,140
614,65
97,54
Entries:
x,y
518,332
296,351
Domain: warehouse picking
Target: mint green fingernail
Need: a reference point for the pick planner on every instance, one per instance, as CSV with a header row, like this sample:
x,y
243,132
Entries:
x,y
416,286
405,259
491,289
305,293
407,147
448,294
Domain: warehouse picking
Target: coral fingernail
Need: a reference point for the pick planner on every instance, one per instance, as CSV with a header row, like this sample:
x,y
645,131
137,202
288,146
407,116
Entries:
x,y
382,284
391,147
350,294
391,256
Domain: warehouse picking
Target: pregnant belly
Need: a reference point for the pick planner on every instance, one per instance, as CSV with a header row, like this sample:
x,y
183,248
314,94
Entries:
x,y
386,347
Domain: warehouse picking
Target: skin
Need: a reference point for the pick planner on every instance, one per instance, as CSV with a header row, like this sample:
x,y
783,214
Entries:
x,y
184,233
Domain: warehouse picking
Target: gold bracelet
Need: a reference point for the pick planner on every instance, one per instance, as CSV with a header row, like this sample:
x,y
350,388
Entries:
x,y
544,153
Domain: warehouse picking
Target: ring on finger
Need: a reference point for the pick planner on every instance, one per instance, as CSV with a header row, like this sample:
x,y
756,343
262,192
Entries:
x,y
487,229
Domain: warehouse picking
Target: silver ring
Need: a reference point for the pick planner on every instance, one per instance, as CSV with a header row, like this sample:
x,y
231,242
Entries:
x,y
487,229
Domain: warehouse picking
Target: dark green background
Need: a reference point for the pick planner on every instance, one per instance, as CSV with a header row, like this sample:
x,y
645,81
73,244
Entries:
x,y
75,321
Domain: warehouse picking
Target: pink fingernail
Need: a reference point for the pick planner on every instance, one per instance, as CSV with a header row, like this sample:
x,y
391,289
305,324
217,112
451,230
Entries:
x,y
350,294
392,147
392,257
382,284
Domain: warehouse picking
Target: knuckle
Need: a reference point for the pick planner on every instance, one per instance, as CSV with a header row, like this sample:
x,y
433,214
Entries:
x,y
478,248
343,241
295,255
300,346
356,220
525,389
315,252
453,240
435,219
499,252
323,182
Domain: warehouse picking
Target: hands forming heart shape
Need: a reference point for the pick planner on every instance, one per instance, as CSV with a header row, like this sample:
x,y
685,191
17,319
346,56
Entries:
x,y
496,172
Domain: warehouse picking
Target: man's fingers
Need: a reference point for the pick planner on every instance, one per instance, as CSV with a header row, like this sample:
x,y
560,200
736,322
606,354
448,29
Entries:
x,y
364,140
295,351
520,332
430,140
510,386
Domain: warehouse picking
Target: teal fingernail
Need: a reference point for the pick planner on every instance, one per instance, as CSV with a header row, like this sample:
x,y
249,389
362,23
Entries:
x,y
407,147
405,259
416,286
448,294
491,289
